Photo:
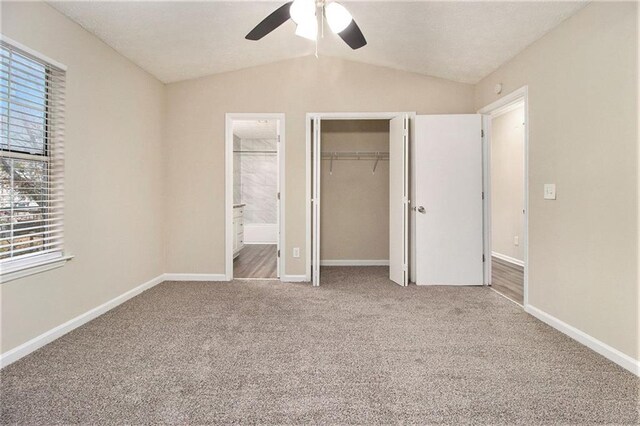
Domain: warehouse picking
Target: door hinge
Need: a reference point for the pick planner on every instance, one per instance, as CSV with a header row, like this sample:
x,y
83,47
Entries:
x,y
482,133
278,252
482,195
278,138
278,195
483,257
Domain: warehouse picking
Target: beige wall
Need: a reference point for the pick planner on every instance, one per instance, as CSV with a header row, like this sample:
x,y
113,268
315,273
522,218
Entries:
x,y
123,183
194,135
355,201
507,183
583,117
113,184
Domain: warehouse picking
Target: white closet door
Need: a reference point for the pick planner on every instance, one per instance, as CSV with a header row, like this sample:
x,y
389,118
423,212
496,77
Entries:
x,y
315,211
398,199
448,192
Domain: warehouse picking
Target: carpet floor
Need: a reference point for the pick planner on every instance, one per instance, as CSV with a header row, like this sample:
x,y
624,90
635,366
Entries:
x,y
357,350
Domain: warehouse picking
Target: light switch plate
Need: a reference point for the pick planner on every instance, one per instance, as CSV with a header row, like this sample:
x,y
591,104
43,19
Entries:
x,y
296,252
549,191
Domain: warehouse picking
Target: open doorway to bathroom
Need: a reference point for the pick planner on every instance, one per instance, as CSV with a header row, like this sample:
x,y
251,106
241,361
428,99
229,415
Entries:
x,y
256,196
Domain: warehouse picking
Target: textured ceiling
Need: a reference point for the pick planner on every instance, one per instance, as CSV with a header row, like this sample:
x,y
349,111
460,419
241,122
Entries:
x,y
461,41
255,129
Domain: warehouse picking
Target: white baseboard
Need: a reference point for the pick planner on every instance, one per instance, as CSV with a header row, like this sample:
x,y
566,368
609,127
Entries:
x,y
623,360
195,277
508,258
26,348
340,262
294,278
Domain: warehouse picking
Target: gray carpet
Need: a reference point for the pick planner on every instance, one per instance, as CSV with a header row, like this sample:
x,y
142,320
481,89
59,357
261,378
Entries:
x,y
356,350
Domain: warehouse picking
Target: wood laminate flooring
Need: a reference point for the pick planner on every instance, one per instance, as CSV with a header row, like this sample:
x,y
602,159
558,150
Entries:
x,y
508,279
256,261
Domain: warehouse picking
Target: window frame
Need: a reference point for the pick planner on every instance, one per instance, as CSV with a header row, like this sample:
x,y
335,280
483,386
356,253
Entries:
x,y
13,268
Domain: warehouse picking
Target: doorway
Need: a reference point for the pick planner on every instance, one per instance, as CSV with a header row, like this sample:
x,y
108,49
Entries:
x,y
506,198
355,193
351,145
254,201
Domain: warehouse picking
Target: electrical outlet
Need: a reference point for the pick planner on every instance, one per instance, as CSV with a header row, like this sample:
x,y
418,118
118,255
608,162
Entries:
x,y
296,252
516,241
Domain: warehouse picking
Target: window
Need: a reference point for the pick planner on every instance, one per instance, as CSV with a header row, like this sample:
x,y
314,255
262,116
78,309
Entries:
x,y
31,160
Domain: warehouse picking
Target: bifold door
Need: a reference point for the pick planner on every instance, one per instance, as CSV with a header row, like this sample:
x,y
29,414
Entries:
x,y
315,196
448,199
399,199
278,201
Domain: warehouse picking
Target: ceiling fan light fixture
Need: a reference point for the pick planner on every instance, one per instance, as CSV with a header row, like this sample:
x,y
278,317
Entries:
x,y
308,28
338,17
304,14
302,10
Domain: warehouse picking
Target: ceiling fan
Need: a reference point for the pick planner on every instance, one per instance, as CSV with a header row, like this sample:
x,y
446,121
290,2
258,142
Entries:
x,y
305,14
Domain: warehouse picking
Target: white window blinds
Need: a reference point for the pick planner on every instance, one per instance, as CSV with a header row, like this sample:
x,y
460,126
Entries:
x,y
31,159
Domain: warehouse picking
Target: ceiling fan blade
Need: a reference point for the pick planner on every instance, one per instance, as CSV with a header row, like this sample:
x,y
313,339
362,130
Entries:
x,y
353,36
271,22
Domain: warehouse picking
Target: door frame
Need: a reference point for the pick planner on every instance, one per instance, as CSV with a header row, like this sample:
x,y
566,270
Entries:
x,y
229,118
309,148
519,96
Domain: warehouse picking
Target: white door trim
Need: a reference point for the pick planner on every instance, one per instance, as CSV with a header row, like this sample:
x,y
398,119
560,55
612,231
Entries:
x,y
229,117
489,112
308,138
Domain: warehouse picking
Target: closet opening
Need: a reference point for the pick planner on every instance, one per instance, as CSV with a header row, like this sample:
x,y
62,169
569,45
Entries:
x,y
254,210
358,195
355,195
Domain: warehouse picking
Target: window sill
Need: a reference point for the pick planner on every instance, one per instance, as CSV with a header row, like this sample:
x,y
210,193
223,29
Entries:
x,y
35,268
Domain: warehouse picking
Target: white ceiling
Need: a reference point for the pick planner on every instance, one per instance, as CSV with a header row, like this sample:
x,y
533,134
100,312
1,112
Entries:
x,y
255,129
461,41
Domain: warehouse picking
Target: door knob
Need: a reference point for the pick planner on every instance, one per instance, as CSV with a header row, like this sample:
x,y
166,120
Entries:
x,y
421,209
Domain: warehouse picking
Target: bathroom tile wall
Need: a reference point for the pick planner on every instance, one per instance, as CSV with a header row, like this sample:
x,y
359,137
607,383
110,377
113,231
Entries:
x,y
258,181
237,175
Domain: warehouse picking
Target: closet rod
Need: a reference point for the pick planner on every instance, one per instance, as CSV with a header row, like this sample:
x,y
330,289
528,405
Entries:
x,y
355,155
359,154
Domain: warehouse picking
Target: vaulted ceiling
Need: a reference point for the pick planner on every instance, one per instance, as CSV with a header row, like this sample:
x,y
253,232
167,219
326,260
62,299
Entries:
x,y
178,40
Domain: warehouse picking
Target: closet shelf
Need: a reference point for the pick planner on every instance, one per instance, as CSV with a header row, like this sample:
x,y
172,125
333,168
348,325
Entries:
x,y
355,155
